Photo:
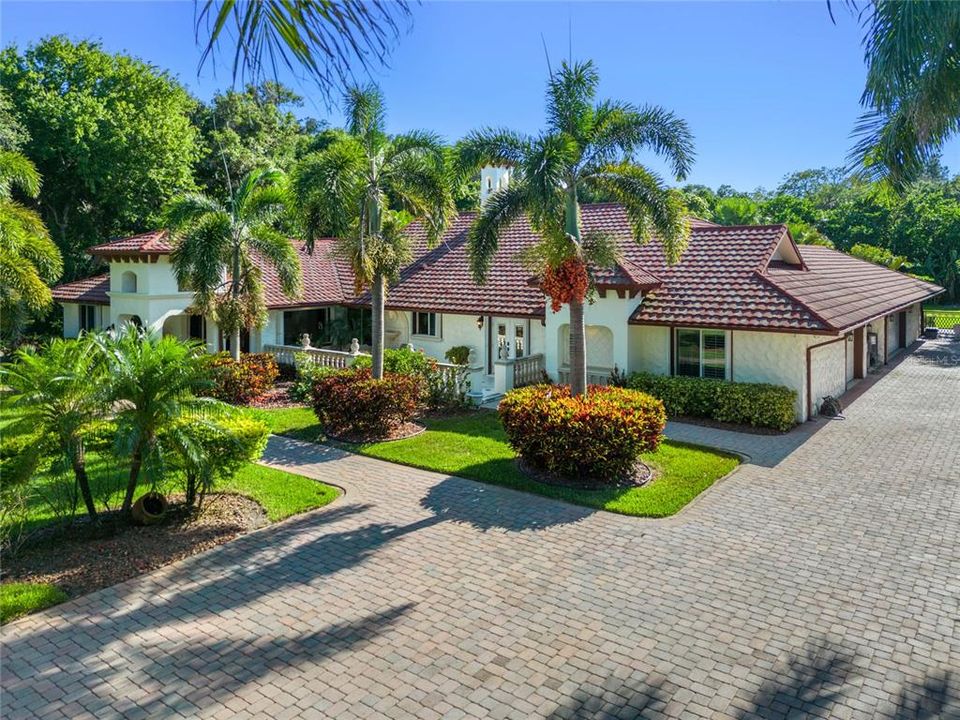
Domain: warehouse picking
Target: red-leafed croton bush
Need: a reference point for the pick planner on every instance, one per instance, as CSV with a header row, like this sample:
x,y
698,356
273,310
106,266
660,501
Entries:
x,y
594,440
352,405
241,382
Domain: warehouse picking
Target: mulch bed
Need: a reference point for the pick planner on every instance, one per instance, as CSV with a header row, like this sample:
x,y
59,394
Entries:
x,y
641,475
277,397
79,561
399,432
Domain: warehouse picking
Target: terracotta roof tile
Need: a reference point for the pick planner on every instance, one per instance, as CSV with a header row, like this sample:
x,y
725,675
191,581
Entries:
x,y
327,280
155,242
845,291
91,290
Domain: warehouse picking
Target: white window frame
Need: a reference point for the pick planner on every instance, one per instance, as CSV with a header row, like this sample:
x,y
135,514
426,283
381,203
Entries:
x,y
701,333
437,333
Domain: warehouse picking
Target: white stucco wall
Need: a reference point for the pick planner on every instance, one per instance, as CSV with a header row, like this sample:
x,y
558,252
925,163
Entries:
x,y
893,333
777,358
71,320
156,298
828,370
649,349
611,312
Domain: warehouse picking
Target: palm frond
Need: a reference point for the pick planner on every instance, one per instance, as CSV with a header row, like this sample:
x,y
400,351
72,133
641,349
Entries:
x,y
570,94
200,254
501,209
328,189
324,37
422,185
366,114
490,146
16,170
277,249
650,205
185,210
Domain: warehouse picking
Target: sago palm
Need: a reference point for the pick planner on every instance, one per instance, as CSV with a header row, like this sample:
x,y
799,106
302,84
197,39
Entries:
x,y
912,93
351,191
29,259
218,251
153,382
59,397
586,145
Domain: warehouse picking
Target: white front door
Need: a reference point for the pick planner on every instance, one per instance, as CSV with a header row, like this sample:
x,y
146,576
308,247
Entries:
x,y
506,338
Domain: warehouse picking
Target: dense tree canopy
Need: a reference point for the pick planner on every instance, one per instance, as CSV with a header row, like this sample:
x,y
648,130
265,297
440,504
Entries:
x,y
110,135
244,130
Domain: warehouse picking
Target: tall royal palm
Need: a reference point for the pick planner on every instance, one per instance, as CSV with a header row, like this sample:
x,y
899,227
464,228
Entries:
x,y
218,251
353,188
912,93
586,146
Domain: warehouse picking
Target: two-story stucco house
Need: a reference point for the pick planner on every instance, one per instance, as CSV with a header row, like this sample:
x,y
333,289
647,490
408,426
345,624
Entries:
x,y
744,303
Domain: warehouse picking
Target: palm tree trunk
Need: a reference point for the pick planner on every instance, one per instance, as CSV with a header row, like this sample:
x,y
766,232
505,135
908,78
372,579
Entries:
x,y
235,344
235,293
578,350
376,294
78,460
135,462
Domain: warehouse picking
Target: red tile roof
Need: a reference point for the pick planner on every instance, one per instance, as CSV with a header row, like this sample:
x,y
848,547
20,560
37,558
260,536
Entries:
x,y
155,242
90,291
845,291
726,278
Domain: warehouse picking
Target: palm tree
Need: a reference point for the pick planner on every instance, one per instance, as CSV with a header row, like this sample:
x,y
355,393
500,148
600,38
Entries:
x,y
218,251
323,37
153,382
346,191
29,259
59,399
585,145
912,93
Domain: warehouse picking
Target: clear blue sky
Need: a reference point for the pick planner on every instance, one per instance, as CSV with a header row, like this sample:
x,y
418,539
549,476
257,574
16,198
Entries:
x,y
767,88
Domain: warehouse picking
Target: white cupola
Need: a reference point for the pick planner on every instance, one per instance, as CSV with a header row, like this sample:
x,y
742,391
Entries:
x,y
493,179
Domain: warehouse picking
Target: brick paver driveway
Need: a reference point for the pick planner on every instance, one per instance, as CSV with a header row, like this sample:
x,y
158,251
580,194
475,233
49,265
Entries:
x,y
823,582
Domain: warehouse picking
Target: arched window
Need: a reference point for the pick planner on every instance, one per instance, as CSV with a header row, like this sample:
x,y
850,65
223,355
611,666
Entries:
x,y
489,183
128,282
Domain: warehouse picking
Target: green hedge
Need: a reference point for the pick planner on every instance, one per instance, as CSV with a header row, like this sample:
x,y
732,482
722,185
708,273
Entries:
x,y
757,404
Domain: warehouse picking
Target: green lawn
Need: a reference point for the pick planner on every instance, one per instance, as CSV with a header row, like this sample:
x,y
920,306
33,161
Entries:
x,y
951,313
18,599
473,445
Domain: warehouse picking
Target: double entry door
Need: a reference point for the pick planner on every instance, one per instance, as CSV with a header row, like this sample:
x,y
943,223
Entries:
x,y
506,338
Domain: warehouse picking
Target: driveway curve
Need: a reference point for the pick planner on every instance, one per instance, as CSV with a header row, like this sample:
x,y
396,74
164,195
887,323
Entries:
x,y
822,578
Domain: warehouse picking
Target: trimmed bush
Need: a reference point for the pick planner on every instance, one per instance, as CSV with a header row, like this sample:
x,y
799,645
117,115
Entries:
x,y
350,403
458,354
595,440
241,382
307,374
400,360
756,404
440,390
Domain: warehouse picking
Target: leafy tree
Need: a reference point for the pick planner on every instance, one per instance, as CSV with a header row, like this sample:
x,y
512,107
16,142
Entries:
x,y
29,260
110,135
912,92
153,382
58,395
219,251
585,146
736,210
880,256
356,188
243,131
806,234
13,134
326,39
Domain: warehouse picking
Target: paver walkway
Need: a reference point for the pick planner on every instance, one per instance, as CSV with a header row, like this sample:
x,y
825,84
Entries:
x,y
827,584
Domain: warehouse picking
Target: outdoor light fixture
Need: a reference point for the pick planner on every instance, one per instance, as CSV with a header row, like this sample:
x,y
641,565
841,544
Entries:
x,y
479,322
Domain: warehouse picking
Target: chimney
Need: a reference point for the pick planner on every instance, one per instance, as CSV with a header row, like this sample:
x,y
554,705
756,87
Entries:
x,y
493,179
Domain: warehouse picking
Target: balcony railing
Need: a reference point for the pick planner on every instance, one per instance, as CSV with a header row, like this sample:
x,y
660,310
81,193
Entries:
x,y
286,355
528,370
595,375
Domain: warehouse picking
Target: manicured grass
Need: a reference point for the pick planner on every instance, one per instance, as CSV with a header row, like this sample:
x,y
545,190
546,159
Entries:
x,y
948,314
473,445
281,494
298,423
18,599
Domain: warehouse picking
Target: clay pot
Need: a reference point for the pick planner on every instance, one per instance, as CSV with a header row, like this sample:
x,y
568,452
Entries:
x,y
150,508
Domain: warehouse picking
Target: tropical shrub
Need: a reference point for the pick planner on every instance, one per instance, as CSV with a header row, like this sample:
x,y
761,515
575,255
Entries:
x,y
213,448
594,439
756,404
245,380
351,403
307,374
442,389
458,354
